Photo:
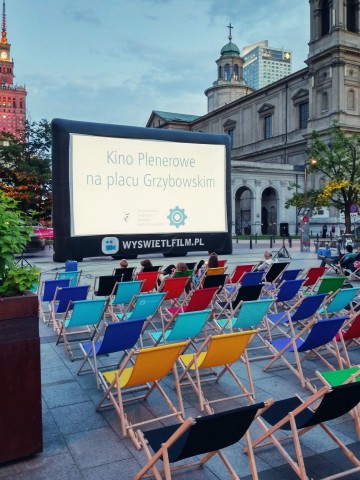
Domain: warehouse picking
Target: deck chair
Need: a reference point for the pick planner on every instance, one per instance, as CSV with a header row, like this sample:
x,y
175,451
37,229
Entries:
x,y
273,274
149,280
83,314
350,335
174,289
153,268
104,285
335,378
312,276
182,273
199,300
215,271
320,334
197,436
185,326
142,369
127,273
340,302
285,292
329,284
244,293
217,351
191,265
303,310
47,292
290,274
252,278
247,315
236,275
61,300
122,295
115,337
73,276
217,281
222,262
297,416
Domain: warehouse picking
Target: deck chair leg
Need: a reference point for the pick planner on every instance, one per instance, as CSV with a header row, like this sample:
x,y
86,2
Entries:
x,y
341,445
299,456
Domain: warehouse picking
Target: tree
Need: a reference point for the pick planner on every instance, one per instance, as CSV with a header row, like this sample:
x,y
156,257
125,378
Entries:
x,y
25,171
338,159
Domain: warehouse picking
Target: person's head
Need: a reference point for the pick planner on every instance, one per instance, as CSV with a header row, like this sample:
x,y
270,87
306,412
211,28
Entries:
x,y
181,267
146,263
267,254
124,263
349,248
213,261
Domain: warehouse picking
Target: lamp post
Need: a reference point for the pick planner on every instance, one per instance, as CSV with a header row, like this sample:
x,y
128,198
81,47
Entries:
x,y
304,222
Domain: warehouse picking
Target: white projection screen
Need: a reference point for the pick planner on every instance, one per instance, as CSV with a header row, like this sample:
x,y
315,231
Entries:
x,y
125,191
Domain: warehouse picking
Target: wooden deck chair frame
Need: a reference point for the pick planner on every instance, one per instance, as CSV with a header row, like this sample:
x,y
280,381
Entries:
x,y
335,378
215,353
294,345
348,335
297,416
148,367
205,436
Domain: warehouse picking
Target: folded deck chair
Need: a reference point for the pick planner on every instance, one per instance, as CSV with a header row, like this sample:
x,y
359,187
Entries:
x,y
198,436
185,326
47,292
81,316
123,294
297,416
115,337
62,298
217,351
143,369
320,334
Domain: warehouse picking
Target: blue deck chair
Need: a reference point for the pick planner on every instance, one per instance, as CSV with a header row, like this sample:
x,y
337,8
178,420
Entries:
x,y
321,334
286,292
186,325
125,293
61,300
73,276
340,301
79,314
252,278
304,309
117,337
288,274
47,292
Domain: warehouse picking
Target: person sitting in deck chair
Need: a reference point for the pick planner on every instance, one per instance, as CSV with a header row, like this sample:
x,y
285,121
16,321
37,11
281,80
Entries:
x,y
342,261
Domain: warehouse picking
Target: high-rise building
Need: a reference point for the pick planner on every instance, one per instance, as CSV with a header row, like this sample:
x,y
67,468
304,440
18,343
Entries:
x,y
264,64
12,97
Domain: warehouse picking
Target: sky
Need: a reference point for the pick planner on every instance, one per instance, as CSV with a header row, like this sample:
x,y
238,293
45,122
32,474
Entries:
x,y
114,61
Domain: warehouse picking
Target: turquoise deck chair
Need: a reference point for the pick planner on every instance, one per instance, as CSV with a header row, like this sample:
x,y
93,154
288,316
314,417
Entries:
x,y
340,301
81,313
250,314
73,276
124,294
186,325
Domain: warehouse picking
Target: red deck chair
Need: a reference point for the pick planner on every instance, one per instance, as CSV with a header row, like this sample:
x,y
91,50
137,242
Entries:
x,y
312,276
149,280
174,288
350,336
222,263
236,275
199,300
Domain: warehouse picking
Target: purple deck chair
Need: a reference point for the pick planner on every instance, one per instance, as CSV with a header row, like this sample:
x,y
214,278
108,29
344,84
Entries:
x,y
118,337
62,298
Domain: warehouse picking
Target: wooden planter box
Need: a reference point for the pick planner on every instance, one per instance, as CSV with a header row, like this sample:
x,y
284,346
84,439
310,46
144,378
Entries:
x,y
20,377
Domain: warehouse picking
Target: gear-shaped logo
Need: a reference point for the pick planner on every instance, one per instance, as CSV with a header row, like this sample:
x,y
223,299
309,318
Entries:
x,y
177,217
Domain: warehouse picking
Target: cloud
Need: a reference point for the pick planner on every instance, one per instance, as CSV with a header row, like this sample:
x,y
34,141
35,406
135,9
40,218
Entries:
x,y
83,15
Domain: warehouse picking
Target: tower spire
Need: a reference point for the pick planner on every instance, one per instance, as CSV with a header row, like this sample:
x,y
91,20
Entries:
x,y
3,32
230,27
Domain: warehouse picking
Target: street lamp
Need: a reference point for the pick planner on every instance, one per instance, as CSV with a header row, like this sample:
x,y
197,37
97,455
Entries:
x,y
311,162
304,223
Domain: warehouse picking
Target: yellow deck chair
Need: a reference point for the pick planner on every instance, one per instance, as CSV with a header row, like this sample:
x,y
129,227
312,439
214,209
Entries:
x,y
142,369
221,351
215,271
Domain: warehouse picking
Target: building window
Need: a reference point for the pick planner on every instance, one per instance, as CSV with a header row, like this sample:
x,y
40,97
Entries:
x,y
268,126
325,18
351,100
303,114
351,15
324,102
236,72
219,73
227,72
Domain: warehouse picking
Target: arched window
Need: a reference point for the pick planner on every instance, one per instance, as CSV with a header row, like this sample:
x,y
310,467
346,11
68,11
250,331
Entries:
x,y
351,100
236,72
227,72
324,102
219,72
351,15
325,18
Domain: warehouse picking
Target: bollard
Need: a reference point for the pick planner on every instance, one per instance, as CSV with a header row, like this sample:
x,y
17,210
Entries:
x,y
251,243
271,242
290,241
256,235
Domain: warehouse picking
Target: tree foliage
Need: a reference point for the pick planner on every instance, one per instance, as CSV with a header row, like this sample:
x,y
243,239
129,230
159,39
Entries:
x,y
338,159
25,171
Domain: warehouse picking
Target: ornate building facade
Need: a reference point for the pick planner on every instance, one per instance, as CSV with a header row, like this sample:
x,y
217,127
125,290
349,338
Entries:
x,y
270,128
12,97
